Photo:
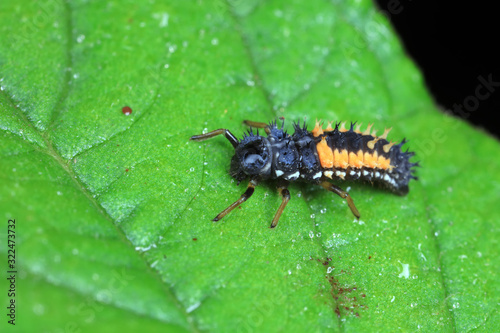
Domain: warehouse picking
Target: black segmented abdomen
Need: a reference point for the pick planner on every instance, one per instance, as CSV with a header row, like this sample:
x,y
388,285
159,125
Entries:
x,y
335,153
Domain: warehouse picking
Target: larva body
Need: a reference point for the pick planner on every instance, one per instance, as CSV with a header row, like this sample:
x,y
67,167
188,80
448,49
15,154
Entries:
x,y
316,156
334,153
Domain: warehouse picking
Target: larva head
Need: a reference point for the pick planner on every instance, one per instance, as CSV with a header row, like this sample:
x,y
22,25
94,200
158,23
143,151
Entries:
x,y
252,158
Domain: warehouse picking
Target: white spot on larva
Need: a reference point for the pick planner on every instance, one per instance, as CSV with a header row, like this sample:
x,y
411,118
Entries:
x,y
317,175
279,173
377,174
293,176
328,174
365,173
340,174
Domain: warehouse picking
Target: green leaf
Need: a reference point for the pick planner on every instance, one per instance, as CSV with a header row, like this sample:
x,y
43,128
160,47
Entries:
x,y
113,213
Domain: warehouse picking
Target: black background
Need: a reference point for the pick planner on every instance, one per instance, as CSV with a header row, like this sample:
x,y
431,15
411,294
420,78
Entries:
x,y
453,44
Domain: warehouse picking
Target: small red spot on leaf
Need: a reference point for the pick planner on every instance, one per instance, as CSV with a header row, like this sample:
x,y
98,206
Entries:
x,y
127,110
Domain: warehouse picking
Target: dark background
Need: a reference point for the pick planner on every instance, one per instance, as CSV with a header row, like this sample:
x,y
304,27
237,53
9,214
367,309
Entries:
x,y
454,44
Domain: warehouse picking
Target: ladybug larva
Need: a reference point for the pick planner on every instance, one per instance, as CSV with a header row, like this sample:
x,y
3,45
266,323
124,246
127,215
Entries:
x,y
316,157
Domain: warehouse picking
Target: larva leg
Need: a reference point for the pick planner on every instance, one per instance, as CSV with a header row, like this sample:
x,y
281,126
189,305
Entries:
x,y
343,194
244,197
285,197
209,135
257,124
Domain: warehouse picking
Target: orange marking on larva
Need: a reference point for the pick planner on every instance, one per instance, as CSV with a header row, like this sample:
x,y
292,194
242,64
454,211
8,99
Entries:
x,y
341,159
329,127
342,127
384,163
387,147
325,154
358,128
318,129
370,160
368,129
386,131
356,159
371,144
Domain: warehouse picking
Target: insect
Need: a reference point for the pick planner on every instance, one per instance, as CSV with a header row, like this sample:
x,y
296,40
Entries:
x,y
317,156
